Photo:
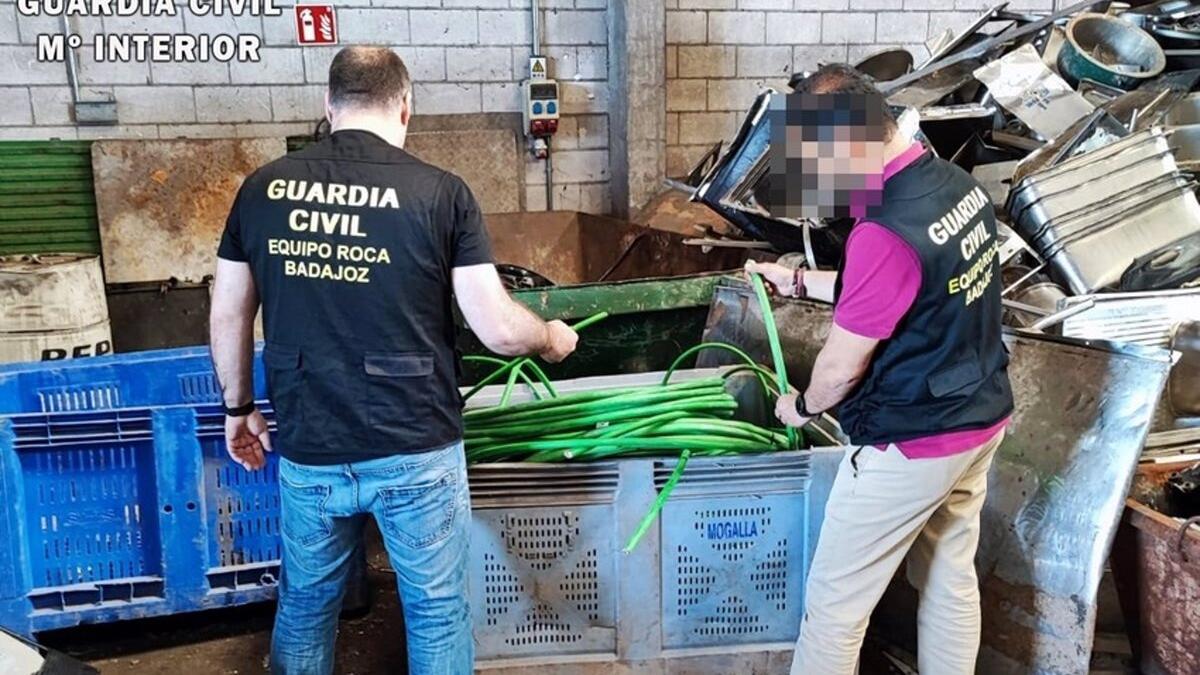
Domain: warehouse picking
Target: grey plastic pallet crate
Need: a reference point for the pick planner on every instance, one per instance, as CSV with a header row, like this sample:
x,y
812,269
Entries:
x,y
724,565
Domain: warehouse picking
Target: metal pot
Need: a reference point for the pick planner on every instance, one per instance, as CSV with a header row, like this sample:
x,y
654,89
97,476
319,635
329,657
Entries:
x,y
1110,51
1044,295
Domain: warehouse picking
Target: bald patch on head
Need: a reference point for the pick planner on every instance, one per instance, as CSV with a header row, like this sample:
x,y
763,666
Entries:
x,y
367,77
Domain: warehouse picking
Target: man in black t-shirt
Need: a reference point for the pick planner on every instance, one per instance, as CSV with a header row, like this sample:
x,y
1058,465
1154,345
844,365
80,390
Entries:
x,y
353,247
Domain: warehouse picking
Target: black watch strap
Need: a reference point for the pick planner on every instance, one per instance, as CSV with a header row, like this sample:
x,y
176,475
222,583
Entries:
x,y
802,407
239,411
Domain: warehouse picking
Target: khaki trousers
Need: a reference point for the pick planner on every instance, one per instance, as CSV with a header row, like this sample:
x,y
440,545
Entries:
x,y
882,508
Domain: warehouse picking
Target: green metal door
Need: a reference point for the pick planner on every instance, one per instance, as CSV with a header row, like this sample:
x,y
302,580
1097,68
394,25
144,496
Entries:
x,y
47,203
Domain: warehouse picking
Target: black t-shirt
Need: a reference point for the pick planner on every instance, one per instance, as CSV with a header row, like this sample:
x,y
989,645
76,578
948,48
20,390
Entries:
x,y
351,242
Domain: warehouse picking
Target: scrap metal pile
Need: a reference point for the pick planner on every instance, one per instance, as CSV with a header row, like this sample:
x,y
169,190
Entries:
x,y
1083,127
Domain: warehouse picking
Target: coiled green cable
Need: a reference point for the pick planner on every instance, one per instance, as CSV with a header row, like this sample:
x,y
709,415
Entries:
x,y
690,417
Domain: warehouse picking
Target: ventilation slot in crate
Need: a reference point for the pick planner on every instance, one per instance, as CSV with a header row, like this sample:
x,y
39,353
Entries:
x,y
590,483
243,508
582,587
541,540
543,626
244,577
715,476
121,593
502,589
733,617
81,429
99,396
199,388
91,513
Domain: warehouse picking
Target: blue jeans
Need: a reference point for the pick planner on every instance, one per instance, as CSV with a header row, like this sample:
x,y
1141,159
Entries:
x,y
422,507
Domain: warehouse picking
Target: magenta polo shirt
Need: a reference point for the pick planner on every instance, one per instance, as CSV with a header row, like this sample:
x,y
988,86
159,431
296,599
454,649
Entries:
x,y
880,281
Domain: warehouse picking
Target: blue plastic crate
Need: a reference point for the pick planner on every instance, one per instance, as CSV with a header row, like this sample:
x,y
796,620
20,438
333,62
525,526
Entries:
x,y
241,507
138,379
124,502
128,513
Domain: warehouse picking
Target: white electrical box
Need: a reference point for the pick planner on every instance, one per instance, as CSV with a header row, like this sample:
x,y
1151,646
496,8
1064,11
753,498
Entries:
x,y
541,107
541,100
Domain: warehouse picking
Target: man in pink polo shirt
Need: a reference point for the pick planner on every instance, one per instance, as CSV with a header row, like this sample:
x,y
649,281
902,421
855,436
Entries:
x,y
917,372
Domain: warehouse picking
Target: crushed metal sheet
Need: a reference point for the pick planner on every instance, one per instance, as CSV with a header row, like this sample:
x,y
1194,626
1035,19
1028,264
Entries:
x,y
1023,84
1140,318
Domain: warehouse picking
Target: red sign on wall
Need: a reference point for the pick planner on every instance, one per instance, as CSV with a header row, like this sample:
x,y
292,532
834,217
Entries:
x,y
316,25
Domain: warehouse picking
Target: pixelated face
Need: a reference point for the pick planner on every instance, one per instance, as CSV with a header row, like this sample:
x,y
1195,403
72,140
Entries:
x,y
826,156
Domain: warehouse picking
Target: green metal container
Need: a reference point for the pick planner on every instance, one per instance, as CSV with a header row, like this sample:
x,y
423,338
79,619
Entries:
x,y
655,288
650,322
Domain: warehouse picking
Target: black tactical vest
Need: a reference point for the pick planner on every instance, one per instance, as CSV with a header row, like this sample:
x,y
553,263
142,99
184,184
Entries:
x,y
945,367
350,241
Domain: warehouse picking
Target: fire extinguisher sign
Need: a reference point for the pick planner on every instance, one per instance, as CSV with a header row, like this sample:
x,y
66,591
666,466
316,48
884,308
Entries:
x,y
316,25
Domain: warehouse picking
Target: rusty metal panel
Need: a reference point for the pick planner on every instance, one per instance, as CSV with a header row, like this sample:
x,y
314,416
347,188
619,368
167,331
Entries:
x,y
488,161
1056,489
162,204
547,242
569,247
1156,565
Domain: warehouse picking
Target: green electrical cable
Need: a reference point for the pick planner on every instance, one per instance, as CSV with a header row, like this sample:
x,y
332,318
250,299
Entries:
x,y
519,360
637,425
541,376
759,370
663,495
501,362
510,384
715,401
768,318
724,403
727,347
702,346
700,440
573,404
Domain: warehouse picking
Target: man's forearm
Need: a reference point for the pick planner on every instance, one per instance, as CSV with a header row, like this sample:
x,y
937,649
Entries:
x,y
526,332
232,343
834,377
825,392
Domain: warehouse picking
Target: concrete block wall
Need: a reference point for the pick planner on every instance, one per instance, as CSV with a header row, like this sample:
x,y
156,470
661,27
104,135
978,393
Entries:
x,y
721,53
468,57
465,56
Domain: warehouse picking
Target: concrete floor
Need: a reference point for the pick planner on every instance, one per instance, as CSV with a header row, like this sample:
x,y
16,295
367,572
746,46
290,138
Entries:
x,y
236,641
